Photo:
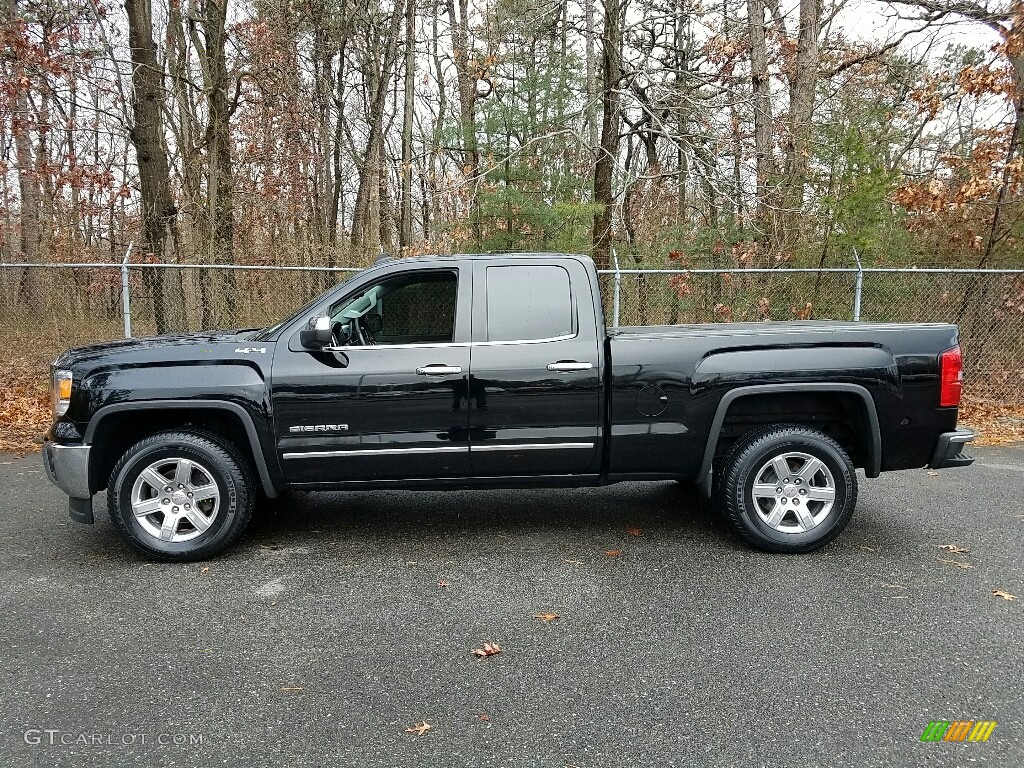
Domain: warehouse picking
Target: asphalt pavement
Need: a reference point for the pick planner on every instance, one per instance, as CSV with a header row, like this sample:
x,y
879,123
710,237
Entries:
x,y
342,620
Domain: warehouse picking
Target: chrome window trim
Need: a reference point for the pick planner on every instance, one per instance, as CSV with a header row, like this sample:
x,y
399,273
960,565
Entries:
x,y
437,345
450,344
525,341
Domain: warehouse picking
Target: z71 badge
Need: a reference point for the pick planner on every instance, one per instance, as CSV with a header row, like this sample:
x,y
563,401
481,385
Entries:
x,y
250,350
319,428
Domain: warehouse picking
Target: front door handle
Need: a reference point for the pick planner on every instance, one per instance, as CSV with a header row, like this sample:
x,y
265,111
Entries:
x,y
569,366
438,370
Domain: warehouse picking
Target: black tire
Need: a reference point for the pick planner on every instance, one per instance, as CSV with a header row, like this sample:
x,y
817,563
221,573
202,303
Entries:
x,y
752,518
210,458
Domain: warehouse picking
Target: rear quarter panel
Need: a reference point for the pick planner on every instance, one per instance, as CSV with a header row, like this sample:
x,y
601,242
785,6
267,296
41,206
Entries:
x,y
694,366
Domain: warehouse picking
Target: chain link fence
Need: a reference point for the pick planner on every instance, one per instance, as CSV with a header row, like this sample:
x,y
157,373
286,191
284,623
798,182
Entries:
x,y
47,308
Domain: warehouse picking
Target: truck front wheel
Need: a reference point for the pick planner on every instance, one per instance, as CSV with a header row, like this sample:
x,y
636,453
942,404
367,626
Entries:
x,y
181,496
788,489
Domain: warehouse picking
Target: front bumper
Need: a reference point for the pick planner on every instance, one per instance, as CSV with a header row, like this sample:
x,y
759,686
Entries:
x,y
67,466
948,450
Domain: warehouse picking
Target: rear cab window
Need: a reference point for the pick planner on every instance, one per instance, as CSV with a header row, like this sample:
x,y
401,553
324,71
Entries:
x,y
529,303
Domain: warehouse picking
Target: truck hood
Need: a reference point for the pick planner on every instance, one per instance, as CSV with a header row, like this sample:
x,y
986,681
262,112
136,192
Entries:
x,y
174,347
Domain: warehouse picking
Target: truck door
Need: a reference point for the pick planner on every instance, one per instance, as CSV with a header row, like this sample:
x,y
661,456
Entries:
x,y
535,386
382,402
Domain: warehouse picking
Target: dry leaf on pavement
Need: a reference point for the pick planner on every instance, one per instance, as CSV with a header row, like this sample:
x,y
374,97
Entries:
x,y
485,717
420,728
635,531
291,688
1004,595
957,563
954,549
442,584
547,618
613,552
489,649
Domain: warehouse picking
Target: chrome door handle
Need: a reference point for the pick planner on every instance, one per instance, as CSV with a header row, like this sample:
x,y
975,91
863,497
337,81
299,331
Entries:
x,y
569,367
438,370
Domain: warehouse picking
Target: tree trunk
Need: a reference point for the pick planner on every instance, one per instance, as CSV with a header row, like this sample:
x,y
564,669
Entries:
x,y
607,154
761,89
366,217
801,105
28,186
159,232
405,227
466,78
591,72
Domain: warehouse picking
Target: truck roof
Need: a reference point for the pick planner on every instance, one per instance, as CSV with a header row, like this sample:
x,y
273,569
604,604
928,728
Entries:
x,y
490,255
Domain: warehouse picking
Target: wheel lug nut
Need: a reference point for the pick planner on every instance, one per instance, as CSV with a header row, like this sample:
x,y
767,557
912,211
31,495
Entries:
x,y
190,495
168,489
803,492
180,485
778,490
166,501
188,506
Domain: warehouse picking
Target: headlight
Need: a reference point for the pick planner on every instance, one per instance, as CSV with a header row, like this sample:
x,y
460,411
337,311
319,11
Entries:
x,y
61,392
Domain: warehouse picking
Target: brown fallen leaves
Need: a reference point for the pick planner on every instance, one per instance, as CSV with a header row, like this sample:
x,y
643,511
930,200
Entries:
x,y
954,549
547,617
25,407
291,688
613,552
442,584
1005,595
635,531
488,649
420,728
996,423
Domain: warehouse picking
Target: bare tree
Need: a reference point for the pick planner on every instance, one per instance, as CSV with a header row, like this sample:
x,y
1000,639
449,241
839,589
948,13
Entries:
x,y
159,228
608,150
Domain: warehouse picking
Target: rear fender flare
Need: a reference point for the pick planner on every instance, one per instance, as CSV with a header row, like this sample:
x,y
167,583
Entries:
x,y
873,465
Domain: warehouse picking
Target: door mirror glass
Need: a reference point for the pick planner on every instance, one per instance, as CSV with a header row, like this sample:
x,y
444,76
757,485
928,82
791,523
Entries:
x,y
317,333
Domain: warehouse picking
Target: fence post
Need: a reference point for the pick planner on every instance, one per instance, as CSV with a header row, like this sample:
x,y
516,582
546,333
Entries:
x,y
858,287
618,283
126,300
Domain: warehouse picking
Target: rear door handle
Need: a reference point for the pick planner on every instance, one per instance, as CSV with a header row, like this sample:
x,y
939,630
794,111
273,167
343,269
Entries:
x,y
438,370
569,366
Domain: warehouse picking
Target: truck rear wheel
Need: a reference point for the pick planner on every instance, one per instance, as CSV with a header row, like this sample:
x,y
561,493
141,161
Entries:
x,y
788,489
181,496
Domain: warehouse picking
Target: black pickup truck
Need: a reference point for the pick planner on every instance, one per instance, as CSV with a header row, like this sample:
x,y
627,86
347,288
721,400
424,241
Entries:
x,y
497,371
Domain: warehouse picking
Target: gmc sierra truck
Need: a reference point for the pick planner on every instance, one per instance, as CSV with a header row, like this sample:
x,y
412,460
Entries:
x,y
496,371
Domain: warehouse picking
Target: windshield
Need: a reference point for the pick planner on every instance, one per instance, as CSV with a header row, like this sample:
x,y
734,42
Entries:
x,y
266,333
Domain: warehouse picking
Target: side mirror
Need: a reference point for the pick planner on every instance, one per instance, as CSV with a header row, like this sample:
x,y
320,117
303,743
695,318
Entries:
x,y
317,333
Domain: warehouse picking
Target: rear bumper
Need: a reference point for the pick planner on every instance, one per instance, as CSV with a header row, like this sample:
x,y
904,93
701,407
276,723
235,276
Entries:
x,y
949,449
67,466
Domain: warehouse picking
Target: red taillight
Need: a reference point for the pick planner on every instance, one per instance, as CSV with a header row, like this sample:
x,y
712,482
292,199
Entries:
x,y
951,375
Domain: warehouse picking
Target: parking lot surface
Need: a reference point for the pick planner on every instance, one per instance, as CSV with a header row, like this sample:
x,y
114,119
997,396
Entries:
x,y
342,620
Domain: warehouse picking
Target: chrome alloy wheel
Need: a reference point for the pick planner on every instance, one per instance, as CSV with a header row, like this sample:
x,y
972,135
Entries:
x,y
794,492
175,500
